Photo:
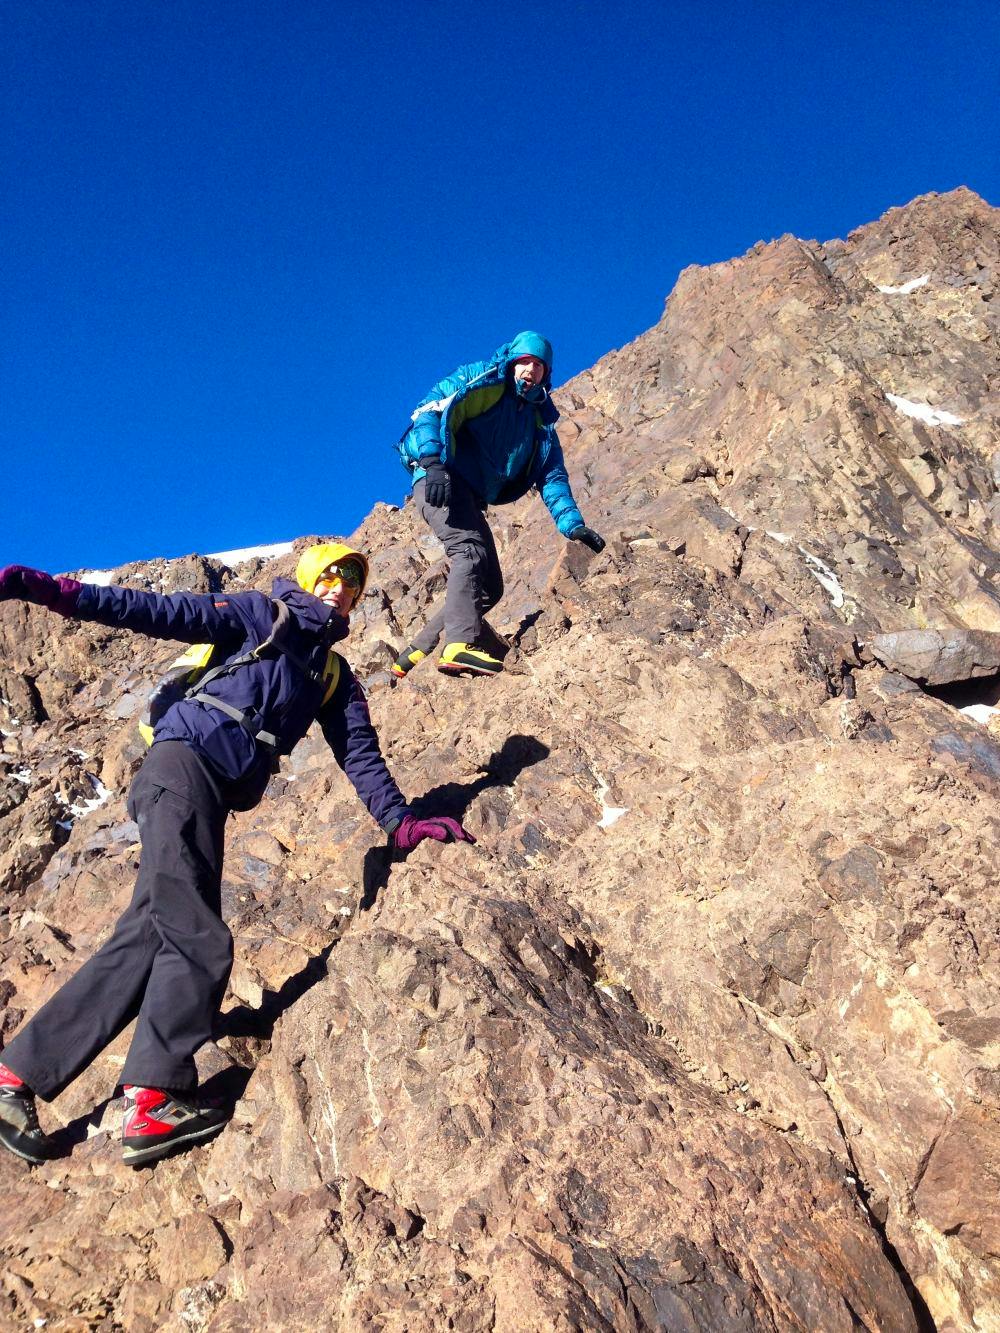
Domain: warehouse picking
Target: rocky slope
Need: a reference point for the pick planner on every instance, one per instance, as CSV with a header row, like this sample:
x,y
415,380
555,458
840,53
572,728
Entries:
x,y
704,1032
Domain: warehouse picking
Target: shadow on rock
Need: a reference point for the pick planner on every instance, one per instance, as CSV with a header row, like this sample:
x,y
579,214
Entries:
x,y
454,799
75,1132
259,1023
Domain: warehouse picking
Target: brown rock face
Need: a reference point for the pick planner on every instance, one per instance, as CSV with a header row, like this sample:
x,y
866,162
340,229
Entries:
x,y
703,1033
935,658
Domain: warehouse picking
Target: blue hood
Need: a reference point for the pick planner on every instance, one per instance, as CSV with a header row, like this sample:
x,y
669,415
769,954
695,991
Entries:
x,y
526,344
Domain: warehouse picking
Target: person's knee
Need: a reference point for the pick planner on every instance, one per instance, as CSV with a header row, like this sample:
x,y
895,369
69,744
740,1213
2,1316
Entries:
x,y
470,556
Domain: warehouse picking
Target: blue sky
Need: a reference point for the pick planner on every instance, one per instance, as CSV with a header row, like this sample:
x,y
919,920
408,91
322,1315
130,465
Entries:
x,y
242,237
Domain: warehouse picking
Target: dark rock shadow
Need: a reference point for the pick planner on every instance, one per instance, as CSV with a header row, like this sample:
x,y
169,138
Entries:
x,y
66,1138
529,621
228,1085
259,1023
963,693
453,799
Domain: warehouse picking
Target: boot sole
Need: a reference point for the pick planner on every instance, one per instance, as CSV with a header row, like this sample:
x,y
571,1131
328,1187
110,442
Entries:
x,y
13,1140
460,669
137,1156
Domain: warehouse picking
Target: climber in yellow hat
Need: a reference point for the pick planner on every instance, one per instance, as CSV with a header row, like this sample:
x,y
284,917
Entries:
x,y
213,750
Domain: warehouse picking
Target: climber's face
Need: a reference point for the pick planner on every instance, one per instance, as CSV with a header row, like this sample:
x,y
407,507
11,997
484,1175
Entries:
x,y
529,370
338,586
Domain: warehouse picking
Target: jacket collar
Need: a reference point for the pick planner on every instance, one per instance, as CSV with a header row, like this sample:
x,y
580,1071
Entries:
x,y
496,373
311,613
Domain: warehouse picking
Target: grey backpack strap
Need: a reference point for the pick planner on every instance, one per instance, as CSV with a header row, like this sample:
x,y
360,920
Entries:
x,y
276,641
282,620
273,643
265,738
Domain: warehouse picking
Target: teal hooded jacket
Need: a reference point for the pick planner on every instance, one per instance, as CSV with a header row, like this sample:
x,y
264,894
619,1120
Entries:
x,y
476,423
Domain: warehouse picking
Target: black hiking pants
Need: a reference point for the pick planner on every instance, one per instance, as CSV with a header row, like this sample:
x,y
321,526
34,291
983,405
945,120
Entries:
x,y
475,579
169,958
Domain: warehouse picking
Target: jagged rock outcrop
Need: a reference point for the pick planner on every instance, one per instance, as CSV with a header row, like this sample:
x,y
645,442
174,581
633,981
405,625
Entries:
x,y
703,1033
933,657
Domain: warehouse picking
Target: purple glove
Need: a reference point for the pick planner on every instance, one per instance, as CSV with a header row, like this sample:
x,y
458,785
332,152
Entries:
x,y
31,585
412,830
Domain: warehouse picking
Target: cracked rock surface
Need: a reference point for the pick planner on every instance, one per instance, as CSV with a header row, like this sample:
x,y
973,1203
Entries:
x,y
703,1033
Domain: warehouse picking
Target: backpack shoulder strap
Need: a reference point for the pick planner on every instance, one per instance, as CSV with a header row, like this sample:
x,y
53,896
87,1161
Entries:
x,y
279,628
331,676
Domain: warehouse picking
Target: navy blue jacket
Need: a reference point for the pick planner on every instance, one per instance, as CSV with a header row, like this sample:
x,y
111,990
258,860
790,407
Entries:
x,y
275,695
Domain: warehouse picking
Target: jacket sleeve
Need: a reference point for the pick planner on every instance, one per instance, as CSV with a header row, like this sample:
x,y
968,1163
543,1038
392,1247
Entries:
x,y
348,729
424,441
187,616
553,485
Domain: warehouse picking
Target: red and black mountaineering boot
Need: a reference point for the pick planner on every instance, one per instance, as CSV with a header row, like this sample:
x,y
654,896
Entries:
x,y
19,1130
155,1122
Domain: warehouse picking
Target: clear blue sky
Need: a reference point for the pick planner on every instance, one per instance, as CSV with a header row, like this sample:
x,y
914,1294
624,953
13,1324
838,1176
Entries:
x,y
241,237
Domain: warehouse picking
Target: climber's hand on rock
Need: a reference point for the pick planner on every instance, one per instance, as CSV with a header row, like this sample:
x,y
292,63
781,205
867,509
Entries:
x,y
589,538
410,831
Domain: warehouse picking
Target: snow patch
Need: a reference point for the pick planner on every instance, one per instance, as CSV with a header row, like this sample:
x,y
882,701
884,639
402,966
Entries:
x,y
101,797
980,712
11,715
103,577
22,775
252,553
825,576
610,814
907,287
781,537
932,416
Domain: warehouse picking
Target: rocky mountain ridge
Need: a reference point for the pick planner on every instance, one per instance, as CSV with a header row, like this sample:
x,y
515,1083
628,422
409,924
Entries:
x,y
703,1033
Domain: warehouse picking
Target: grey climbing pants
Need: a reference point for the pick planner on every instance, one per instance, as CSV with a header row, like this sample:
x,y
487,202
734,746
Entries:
x,y
475,579
169,958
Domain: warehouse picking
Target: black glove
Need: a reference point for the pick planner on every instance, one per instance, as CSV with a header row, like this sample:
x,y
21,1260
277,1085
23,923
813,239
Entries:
x,y
437,486
589,538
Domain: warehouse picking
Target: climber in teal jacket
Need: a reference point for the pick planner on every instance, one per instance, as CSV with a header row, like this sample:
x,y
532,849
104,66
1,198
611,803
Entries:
x,y
484,435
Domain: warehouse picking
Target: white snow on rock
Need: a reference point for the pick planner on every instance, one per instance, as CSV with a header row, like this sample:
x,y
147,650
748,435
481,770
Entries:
x,y
825,576
252,553
105,576
980,712
610,814
907,287
821,572
924,412
101,797
22,775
